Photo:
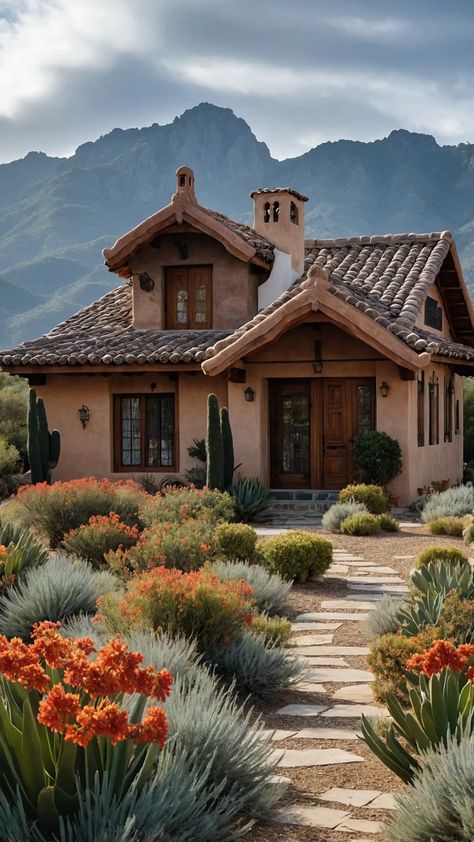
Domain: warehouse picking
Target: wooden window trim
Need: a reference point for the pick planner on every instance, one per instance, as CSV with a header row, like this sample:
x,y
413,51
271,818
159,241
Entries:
x,y
433,404
420,408
448,409
170,297
117,434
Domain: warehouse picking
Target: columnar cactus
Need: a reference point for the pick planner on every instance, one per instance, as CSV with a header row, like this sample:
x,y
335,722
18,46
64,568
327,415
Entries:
x,y
43,447
228,447
214,446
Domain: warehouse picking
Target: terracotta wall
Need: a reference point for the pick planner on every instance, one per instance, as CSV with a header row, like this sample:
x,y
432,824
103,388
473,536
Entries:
x,y
234,283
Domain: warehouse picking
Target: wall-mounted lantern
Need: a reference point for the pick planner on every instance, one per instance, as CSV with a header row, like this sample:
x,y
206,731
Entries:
x,y
249,394
384,388
84,415
317,362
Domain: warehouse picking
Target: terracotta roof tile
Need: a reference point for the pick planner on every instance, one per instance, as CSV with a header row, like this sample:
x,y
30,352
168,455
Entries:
x,y
264,248
289,190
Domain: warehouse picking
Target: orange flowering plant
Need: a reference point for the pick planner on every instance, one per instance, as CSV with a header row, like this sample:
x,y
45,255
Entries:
x,y
62,716
186,545
101,535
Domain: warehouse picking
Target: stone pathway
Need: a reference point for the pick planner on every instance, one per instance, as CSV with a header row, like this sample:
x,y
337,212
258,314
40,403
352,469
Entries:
x,y
329,663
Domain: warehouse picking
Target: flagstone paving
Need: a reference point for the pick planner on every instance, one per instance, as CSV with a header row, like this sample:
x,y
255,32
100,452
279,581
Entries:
x,y
361,693
321,733
356,651
332,615
309,687
375,580
353,711
372,587
313,626
350,797
349,604
340,675
312,640
294,757
301,710
322,660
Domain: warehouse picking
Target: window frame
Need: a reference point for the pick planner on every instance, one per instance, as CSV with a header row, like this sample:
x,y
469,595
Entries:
x,y
192,285
448,408
433,316
119,467
420,408
433,411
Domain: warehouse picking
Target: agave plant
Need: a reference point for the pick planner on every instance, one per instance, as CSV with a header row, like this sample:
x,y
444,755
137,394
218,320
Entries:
x,y
250,496
22,550
426,611
444,577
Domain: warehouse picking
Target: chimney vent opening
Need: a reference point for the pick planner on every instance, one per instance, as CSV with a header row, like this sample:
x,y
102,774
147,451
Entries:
x,y
266,212
293,213
276,211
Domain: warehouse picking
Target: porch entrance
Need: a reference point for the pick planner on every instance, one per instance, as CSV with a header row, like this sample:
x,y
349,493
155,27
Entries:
x,y
312,427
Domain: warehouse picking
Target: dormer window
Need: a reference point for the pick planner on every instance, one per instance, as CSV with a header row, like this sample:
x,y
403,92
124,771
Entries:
x,y
433,314
266,212
188,297
276,211
293,213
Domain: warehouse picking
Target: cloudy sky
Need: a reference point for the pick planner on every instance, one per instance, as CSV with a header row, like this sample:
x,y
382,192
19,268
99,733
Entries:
x,y
299,71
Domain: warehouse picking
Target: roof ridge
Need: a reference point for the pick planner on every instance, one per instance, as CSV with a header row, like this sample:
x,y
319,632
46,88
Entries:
x,y
379,238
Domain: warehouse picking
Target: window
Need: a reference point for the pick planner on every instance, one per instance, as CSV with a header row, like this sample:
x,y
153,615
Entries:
x,y
457,421
266,212
365,408
276,211
433,314
420,398
293,213
433,391
144,432
448,408
188,297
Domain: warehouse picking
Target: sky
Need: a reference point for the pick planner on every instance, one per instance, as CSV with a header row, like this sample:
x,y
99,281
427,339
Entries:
x,y
300,72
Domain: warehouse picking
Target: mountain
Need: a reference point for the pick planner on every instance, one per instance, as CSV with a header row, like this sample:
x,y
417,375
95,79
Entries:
x,y
56,214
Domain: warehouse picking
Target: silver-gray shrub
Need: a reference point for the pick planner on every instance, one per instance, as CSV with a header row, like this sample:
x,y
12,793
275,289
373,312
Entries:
x,y
258,666
57,590
270,590
385,617
455,502
439,807
338,512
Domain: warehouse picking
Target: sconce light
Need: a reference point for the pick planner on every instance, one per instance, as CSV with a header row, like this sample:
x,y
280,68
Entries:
x,y
249,394
146,283
317,366
317,362
384,388
84,415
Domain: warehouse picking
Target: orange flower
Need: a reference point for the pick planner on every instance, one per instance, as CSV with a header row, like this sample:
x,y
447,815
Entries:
x,y
18,662
442,655
154,727
58,707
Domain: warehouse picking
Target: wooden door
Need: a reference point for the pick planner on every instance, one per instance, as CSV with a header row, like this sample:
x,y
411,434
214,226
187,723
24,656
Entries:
x,y
290,434
337,430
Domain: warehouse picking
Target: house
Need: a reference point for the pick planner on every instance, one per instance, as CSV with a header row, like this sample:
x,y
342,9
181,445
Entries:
x,y
308,342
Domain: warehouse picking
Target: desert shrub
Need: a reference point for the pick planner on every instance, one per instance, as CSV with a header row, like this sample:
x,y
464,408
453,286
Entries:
x,y
468,533
54,510
270,591
257,665
388,523
186,545
385,617
457,619
388,657
55,591
276,630
13,411
455,502
373,497
360,525
102,534
177,504
438,806
447,526
451,555
236,540
297,555
19,551
10,465
198,605
338,512
378,457
251,498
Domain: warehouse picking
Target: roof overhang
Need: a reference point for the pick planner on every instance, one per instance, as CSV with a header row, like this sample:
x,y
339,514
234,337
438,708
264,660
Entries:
x,y
314,296
455,296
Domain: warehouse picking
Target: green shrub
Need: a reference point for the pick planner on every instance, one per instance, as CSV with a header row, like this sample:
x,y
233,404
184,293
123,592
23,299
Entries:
x,y
457,619
468,533
103,534
297,555
378,457
385,617
257,666
360,525
187,545
455,502
387,660
269,589
438,805
447,526
13,409
236,540
178,504
388,523
451,555
57,590
251,498
338,512
373,497
276,630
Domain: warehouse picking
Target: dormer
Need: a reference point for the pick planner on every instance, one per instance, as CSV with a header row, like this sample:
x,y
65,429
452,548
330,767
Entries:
x,y
278,215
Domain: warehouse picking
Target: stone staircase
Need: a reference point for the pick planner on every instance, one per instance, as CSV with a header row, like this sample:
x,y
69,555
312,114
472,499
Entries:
x,y
298,506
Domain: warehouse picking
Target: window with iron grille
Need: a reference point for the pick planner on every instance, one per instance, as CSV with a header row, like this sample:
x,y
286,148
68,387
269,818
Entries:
x,y
144,432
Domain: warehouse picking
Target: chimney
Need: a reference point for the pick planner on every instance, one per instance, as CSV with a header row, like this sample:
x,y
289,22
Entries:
x,y
184,185
278,215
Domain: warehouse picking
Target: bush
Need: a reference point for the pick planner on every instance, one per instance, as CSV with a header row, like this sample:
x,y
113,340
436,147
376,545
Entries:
x,y
257,665
251,498
372,496
186,545
447,526
57,590
10,465
175,505
269,589
13,409
236,540
457,619
451,555
378,457
297,555
102,534
455,502
438,806
54,510
338,512
385,617
388,523
19,551
360,525
197,605
468,534
388,657
276,630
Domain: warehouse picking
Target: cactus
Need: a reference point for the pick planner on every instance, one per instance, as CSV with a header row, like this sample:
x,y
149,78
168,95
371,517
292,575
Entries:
x,y
228,447
214,447
43,447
